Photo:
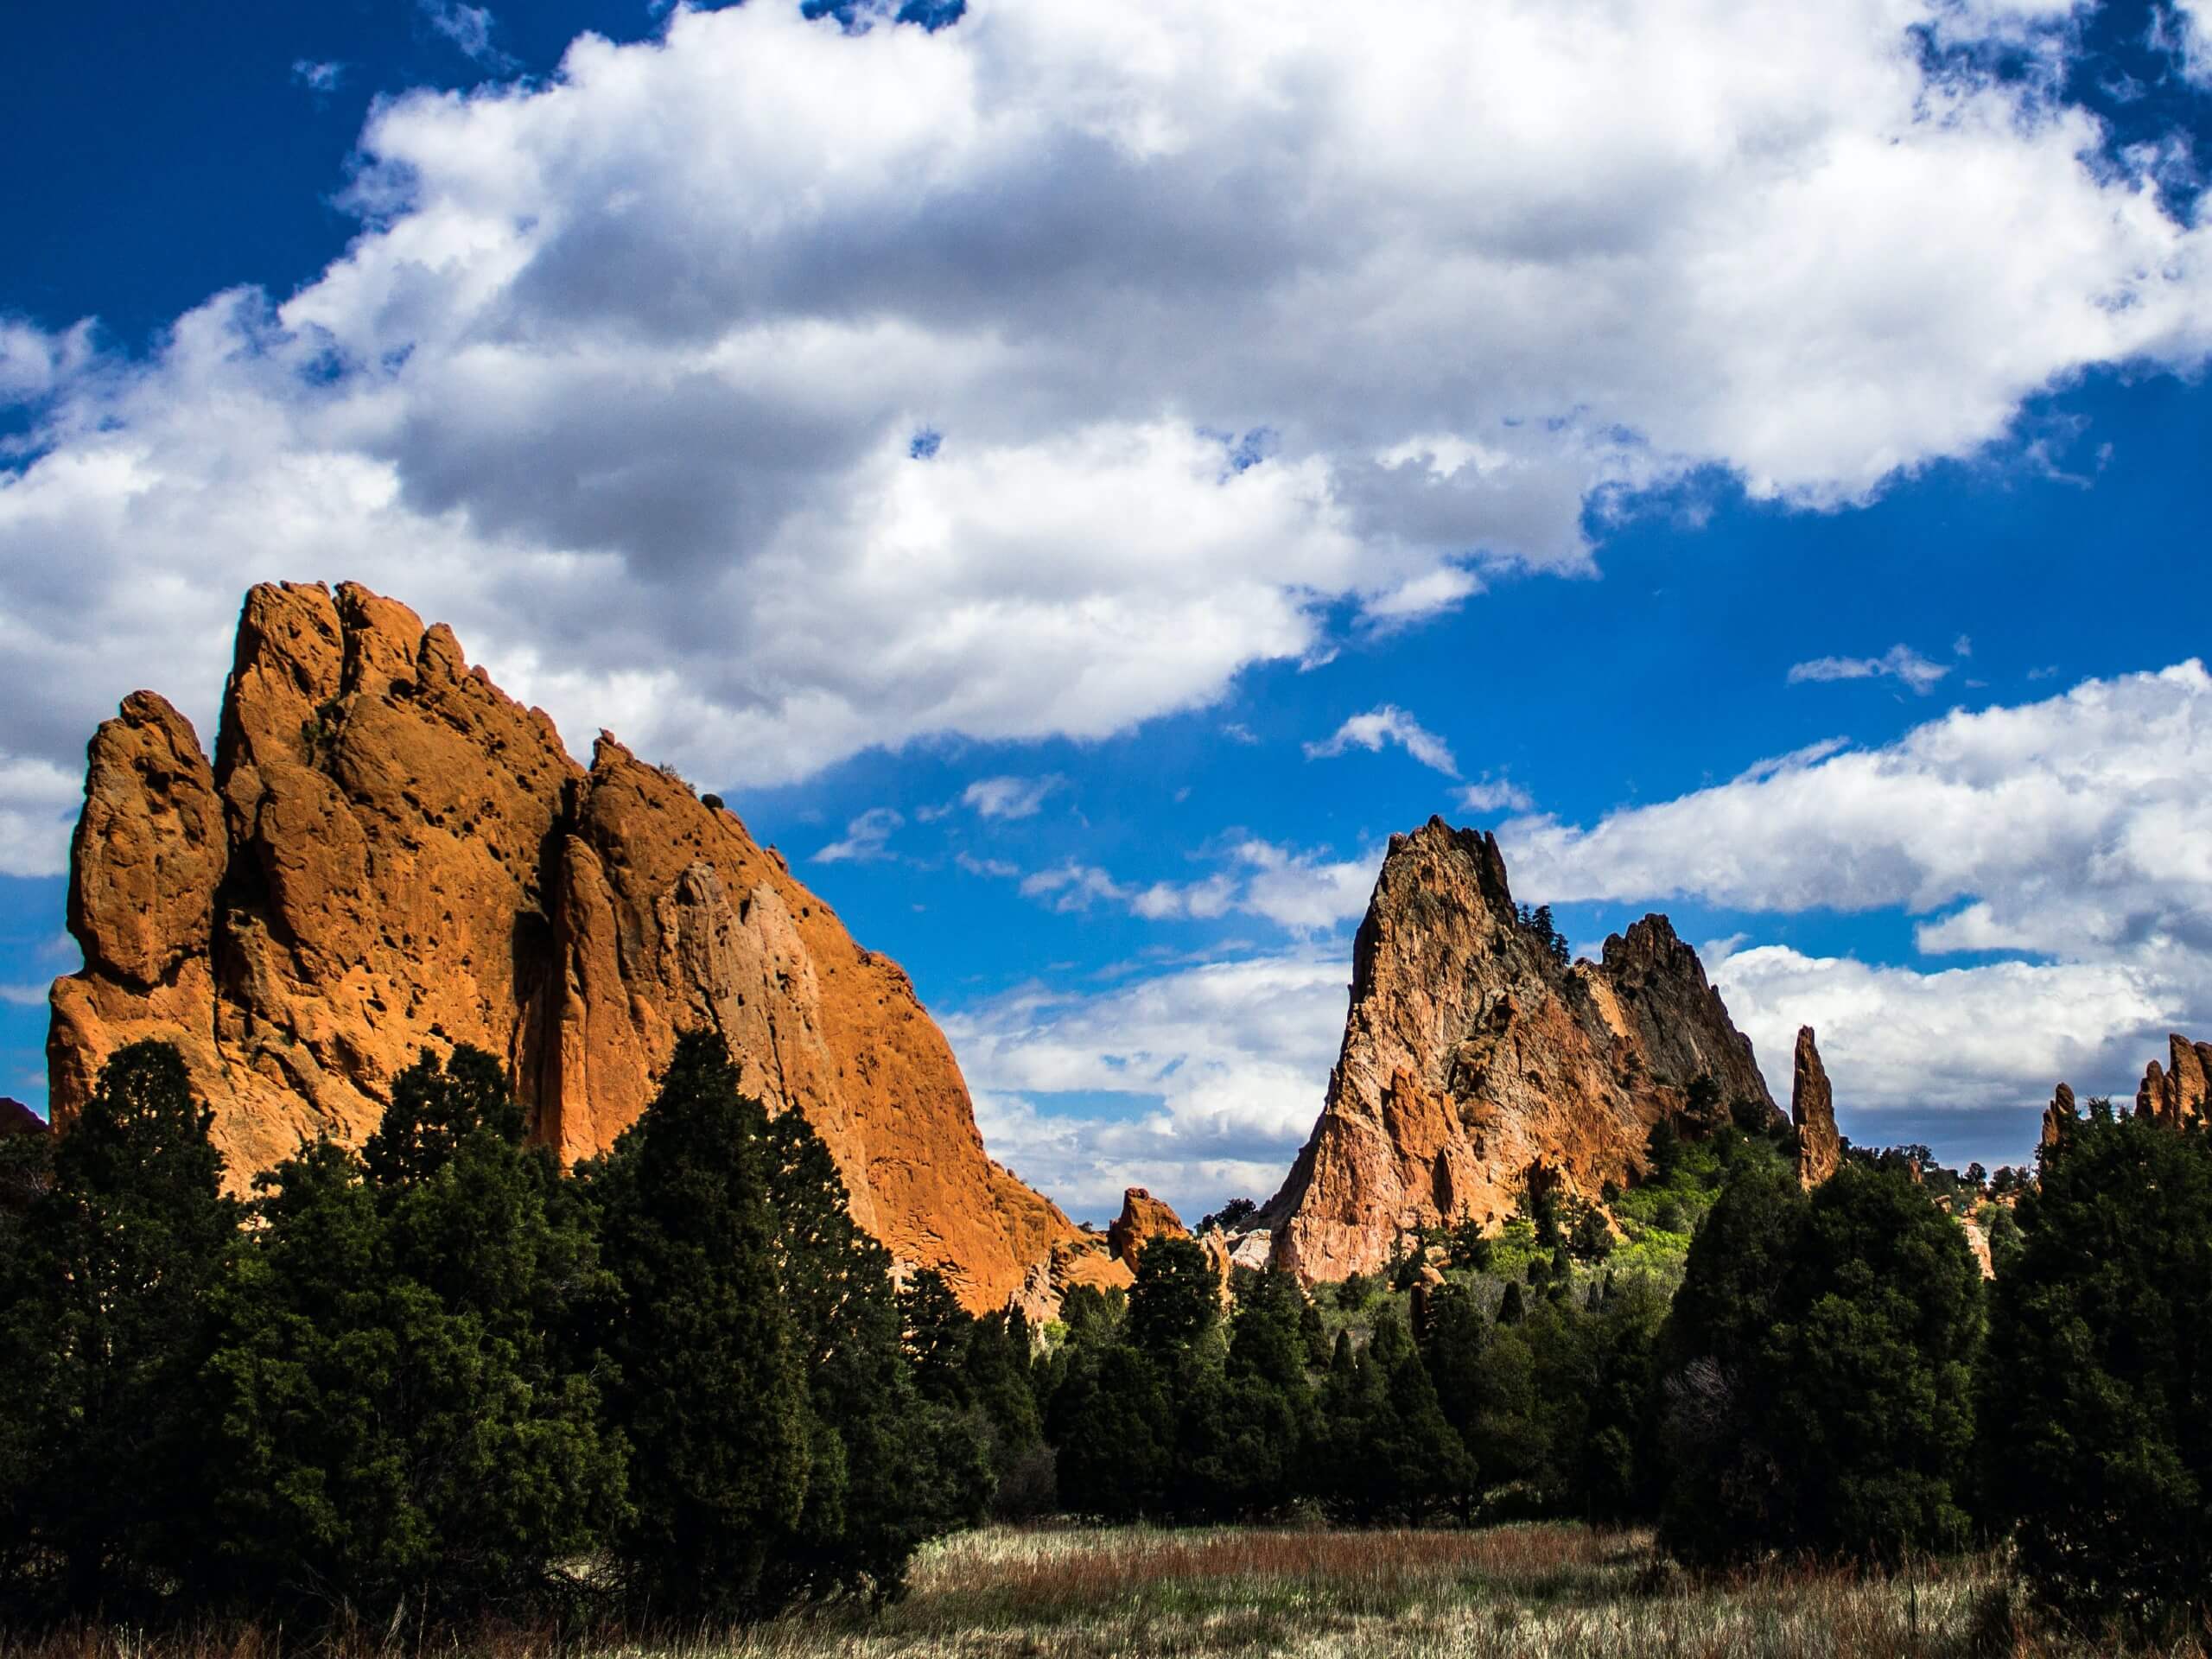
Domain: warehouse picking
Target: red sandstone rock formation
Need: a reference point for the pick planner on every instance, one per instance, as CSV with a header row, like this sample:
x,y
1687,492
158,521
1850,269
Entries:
x,y
1812,1110
2176,1094
2057,1116
1143,1218
388,853
1469,1056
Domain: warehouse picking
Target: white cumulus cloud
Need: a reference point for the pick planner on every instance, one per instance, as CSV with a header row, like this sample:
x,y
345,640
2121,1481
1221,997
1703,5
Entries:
x,y
1215,1074
766,393
2070,837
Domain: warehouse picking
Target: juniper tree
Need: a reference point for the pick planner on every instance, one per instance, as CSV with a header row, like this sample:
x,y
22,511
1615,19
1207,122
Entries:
x,y
103,1330
713,1396
395,1423
2094,1394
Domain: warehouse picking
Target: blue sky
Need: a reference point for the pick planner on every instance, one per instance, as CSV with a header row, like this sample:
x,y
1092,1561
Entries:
x,y
1753,462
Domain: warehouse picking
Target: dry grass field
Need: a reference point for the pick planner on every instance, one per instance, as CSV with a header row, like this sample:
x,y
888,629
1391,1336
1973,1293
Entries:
x,y
1536,1591
1513,1592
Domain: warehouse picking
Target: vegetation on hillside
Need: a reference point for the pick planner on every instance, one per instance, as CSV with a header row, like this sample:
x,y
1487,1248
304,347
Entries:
x,y
439,1382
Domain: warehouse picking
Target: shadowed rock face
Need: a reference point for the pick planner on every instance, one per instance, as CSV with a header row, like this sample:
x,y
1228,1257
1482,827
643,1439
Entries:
x,y
1470,1055
388,853
2058,1114
1812,1112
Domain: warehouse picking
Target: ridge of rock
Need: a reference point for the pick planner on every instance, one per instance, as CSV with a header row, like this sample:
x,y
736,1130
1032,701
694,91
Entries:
x,y
15,1118
1471,1055
1812,1113
389,854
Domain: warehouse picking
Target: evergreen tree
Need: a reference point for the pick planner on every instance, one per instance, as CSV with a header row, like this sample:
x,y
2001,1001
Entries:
x,y
1264,1412
1393,1454
1824,1408
999,1380
394,1423
936,1330
1113,1425
1176,1300
1724,1493
103,1329
889,1465
1872,1413
713,1396
2096,1398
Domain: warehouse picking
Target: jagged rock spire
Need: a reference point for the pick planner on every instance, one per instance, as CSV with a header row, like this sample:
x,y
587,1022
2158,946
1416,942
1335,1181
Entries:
x,y
1812,1110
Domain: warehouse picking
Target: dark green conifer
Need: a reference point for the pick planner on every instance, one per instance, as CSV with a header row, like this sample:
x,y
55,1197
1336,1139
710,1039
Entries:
x,y
395,1423
103,1324
2095,1399
713,1394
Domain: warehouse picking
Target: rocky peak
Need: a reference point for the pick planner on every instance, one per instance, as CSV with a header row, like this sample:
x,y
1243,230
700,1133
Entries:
x,y
389,854
1143,1218
2058,1114
1812,1112
2176,1094
1471,1055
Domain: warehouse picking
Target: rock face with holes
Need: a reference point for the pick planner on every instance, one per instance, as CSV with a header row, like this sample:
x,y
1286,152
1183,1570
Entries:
x,y
1812,1113
388,853
1471,1055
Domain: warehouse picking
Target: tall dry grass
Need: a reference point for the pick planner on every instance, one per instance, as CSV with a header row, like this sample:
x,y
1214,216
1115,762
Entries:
x,y
1537,1592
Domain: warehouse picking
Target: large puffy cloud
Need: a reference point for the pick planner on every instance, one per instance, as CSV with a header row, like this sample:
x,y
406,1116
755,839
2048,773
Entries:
x,y
768,391
2073,835
1212,1076
2075,826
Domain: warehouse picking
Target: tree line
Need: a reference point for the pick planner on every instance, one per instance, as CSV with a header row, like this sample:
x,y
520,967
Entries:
x,y
441,1380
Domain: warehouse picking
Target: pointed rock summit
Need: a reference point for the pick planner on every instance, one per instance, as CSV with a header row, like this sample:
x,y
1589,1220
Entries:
x,y
1812,1113
1472,1053
2059,1114
1143,1218
389,854
2176,1095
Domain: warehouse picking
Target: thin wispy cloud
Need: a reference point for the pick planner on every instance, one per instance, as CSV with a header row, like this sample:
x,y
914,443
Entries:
x,y
469,29
866,838
1495,795
1008,797
1899,662
1377,730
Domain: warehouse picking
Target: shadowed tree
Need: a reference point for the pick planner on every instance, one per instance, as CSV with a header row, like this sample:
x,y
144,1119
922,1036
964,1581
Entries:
x,y
103,1330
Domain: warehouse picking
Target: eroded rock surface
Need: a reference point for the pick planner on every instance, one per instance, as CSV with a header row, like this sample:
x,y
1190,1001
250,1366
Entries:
x,y
1143,1218
2176,1094
1471,1055
1812,1113
2058,1114
389,854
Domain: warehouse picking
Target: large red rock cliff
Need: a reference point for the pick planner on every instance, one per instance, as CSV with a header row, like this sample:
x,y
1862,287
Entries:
x,y
389,854
1471,1054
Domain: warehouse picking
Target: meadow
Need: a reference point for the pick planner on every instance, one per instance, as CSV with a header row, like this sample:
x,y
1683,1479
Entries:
x,y
1527,1591
1537,1591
